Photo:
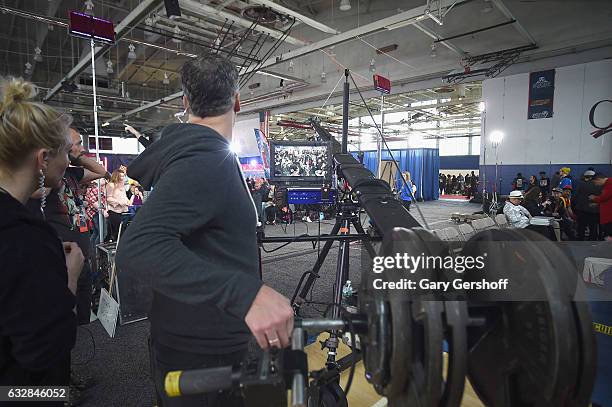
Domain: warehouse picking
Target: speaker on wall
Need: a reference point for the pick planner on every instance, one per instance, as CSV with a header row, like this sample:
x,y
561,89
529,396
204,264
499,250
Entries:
x,y
173,10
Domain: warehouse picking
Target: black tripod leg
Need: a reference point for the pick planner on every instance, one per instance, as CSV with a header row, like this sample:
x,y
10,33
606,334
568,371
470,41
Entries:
x,y
298,300
367,244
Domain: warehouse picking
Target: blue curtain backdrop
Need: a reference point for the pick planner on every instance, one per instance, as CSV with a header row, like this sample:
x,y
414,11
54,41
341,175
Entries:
x,y
422,163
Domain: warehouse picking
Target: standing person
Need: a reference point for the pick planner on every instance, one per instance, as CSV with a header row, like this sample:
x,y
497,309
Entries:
x,y
91,197
442,183
518,184
554,182
198,247
605,205
468,184
65,212
587,212
117,202
460,183
473,184
566,179
39,273
544,183
405,195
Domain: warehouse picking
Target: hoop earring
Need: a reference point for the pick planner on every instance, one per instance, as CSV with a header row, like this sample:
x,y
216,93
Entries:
x,y
43,197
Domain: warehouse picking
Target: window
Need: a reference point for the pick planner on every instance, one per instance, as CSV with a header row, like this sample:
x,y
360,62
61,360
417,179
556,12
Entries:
x,y
454,146
475,145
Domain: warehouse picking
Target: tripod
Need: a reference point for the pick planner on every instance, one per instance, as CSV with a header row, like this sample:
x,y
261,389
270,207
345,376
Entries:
x,y
346,215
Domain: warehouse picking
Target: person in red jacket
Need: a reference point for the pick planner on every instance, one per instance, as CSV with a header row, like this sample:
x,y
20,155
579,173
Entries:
x,y
605,205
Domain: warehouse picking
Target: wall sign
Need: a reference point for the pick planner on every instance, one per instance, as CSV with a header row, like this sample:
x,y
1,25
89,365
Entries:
x,y
541,94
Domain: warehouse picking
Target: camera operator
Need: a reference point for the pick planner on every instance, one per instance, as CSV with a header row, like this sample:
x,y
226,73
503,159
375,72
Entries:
x,y
198,246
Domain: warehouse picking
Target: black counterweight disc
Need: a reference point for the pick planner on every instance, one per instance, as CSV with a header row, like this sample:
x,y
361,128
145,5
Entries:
x,y
584,335
524,355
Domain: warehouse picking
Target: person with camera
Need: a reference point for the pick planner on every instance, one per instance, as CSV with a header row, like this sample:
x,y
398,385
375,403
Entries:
x,y
197,246
39,272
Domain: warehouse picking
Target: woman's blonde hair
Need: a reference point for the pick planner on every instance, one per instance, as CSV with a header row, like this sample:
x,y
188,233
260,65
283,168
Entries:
x,y
115,176
26,125
407,176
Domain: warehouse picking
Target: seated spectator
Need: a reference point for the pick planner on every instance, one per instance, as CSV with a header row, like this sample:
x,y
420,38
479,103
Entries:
x,y
286,215
136,196
518,216
558,210
605,205
39,273
566,196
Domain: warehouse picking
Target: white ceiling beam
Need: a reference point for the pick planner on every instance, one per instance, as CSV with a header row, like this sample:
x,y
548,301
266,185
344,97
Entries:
x,y
133,18
431,34
203,9
306,20
399,20
519,27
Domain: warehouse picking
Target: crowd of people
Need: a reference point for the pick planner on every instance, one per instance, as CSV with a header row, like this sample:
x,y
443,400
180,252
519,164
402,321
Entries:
x,y
301,161
582,207
458,184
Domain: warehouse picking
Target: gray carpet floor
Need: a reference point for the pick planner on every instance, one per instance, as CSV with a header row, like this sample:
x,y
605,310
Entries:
x,y
119,367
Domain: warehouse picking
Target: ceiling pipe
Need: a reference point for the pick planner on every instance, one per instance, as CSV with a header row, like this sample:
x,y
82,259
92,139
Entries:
x,y
519,27
389,23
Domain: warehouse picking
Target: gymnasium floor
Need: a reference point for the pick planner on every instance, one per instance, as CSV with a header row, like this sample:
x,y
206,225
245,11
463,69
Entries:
x,y
119,367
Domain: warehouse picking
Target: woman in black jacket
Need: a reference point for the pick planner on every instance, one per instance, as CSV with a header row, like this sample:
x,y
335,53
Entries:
x,y
39,272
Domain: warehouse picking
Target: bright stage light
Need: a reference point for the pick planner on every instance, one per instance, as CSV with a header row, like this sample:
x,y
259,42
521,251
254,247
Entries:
x,y
496,136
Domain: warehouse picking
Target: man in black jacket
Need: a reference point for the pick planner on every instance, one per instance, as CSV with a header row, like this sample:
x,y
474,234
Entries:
x,y
197,246
587,212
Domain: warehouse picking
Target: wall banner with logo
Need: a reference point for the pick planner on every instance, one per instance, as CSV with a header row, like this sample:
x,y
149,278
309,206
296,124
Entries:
x,y
541,94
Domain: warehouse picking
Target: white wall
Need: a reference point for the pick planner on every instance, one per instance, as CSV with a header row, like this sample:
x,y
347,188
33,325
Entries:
x,y
244,137
123,146
563,139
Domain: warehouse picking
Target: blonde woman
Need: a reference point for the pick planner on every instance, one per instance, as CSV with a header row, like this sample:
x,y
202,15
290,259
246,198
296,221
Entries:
x,y
116,201
39,273
405,195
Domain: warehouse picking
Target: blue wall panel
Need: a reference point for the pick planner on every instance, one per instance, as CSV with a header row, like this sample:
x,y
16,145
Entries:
x,y
459,162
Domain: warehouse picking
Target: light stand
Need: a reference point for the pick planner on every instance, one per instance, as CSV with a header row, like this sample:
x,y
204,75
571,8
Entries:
x,y
496,139
95,102
379,143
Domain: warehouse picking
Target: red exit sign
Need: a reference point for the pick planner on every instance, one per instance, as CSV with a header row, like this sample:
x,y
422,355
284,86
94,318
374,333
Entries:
x,y
382,84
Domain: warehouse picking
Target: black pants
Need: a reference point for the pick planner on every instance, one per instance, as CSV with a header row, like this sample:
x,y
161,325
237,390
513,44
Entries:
x,y
587,220
12,374
165,359
114,220
84,294
406,204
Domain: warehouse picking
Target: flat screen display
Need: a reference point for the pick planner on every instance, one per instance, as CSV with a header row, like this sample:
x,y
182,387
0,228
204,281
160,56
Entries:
x,y
86,26
300,161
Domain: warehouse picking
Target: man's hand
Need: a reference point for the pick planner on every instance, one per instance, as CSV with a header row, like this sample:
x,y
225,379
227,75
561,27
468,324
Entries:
x,y
132,130
74,263
592,197
270,319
